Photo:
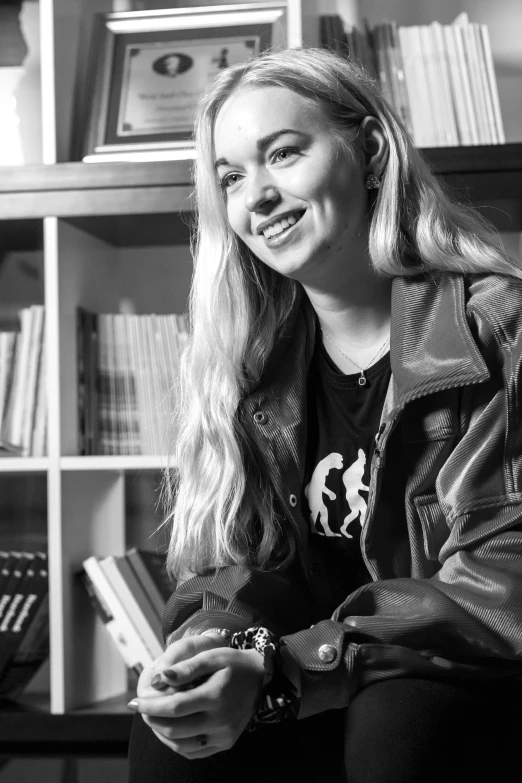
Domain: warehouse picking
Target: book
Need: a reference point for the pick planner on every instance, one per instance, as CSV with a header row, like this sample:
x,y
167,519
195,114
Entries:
x,y
400,92
149,568
450,134
112,625
30,386
7,353
32,627
132,607
22,609
140,595
38,446
15,569
491,82
133,641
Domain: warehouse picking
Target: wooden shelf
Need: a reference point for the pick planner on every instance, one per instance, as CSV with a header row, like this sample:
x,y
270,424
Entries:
x,y
152,201
27,728
80,189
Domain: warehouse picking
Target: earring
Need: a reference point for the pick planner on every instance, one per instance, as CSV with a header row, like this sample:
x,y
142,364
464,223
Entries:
x,y
372,182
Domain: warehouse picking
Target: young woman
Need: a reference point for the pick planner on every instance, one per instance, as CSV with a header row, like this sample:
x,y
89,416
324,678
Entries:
x,y
347,516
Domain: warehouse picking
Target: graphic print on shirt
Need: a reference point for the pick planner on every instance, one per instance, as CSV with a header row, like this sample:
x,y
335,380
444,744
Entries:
x,y
353,483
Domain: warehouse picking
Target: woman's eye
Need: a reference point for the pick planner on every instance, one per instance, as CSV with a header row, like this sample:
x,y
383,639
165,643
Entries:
x,y
284,153
228,180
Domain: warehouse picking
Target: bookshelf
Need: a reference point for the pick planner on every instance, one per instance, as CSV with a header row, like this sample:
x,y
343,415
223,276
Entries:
x,y
109,232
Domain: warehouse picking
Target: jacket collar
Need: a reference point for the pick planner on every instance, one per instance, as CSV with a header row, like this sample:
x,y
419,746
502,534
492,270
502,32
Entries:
x,y
431,344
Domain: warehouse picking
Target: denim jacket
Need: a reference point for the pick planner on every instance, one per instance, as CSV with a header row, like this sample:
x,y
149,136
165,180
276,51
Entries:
x,y
442,537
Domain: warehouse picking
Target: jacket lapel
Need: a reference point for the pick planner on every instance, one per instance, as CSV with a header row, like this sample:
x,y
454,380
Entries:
x,y
431,344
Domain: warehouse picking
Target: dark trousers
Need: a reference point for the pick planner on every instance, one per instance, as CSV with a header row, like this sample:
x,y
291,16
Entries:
x,y
395,731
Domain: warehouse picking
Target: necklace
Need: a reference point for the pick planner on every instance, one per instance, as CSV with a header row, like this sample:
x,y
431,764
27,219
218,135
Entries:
x,y
362,378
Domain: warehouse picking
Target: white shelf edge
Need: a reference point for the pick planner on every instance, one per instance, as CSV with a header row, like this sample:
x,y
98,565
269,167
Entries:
x,y
24,464
114,463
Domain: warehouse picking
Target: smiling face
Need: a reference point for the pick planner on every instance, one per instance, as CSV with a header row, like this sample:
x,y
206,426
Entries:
x,y
292,194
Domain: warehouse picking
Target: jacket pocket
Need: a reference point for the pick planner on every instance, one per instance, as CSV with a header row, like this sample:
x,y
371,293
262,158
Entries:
x,y
435,529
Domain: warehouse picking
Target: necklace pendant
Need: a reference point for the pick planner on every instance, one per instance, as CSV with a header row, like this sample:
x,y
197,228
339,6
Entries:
x,y
362,380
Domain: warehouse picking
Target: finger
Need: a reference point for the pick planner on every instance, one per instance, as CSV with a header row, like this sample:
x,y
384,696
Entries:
x,y
198,667
177,705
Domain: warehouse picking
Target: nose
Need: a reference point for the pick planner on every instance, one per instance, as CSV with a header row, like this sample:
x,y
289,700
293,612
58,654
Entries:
x,y
260,193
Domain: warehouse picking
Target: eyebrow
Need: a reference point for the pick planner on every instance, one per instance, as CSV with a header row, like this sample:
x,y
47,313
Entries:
x,y
263,143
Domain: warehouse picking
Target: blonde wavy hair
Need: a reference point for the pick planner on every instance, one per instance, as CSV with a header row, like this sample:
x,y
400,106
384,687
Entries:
x,y
218,500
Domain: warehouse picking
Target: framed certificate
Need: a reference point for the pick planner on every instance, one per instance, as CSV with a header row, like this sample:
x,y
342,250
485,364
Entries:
x,y
147,71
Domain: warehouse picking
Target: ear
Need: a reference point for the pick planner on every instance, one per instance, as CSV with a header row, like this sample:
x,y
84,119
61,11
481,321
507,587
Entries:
x,y
374,144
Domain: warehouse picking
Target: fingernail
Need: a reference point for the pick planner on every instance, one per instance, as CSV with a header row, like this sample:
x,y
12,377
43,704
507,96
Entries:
x,y
133,705
158,683
171,674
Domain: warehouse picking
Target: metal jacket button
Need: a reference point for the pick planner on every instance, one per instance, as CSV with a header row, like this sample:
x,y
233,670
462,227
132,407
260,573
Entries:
x,y
293,501
260,417
327,653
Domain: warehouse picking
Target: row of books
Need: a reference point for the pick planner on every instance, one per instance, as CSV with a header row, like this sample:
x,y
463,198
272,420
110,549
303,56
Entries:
x,y
23,388
24,619
439,78
127,365
129,594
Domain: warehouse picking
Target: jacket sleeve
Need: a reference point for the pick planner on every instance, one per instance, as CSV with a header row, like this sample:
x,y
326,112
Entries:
x,y
236,597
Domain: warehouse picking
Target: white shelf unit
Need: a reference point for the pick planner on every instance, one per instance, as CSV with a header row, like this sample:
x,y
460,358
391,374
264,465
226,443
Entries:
x,y
111,232
24,464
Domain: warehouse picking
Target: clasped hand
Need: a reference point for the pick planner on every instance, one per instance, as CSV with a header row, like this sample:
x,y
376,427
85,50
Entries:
x,y
210,716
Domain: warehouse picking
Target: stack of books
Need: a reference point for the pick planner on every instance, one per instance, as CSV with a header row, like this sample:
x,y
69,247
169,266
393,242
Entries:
x,y
23,388
439,78
127,367
129,594
24,619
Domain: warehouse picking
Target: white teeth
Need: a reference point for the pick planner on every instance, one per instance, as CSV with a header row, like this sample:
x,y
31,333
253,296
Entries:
x,y
277,228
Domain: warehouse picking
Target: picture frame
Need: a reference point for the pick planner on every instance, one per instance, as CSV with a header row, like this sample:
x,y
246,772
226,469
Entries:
x,y
147,70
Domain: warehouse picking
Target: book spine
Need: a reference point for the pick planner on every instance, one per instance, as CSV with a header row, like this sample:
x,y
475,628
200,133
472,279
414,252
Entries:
x,y
13,580
131,606
104,389
113,627
81,363
35,355
450,134
93,385
38,447
491,82
465,81
401,93
33,627
139,566
14,435
140,595
489,117
133,640
22,609
33,651
132,386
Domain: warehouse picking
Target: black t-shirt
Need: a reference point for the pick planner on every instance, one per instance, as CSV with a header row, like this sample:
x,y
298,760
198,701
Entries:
x,y
343,419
